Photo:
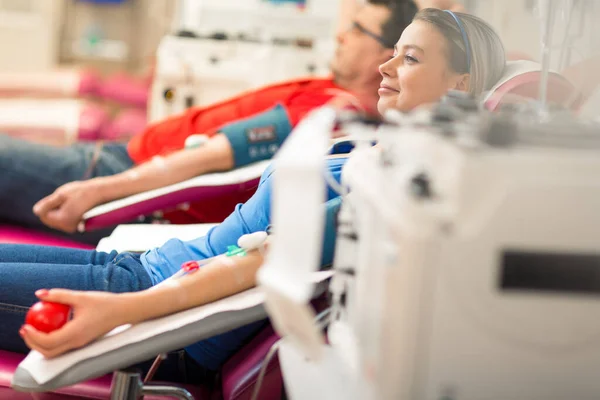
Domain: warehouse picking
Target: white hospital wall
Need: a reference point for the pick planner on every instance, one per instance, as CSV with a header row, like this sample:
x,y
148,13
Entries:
x,y
129,32
518,23
513,21
29,31
39,35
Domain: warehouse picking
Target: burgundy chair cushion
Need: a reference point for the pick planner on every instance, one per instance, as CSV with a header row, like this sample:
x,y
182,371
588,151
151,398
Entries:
x,y
17,235
240,373
98,388
94,389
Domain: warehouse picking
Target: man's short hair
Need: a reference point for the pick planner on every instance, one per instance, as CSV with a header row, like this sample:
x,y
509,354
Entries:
x,y
402,13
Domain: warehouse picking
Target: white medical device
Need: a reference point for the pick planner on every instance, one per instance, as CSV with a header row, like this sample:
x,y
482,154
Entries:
x,y
220,49
467,265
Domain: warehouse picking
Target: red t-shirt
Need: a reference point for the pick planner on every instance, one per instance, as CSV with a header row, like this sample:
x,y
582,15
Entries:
x,y
297,96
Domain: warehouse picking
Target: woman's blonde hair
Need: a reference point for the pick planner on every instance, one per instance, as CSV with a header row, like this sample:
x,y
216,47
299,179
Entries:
x,y
473,46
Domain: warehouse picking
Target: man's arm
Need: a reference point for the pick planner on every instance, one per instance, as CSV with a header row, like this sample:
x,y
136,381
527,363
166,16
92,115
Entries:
x,y
64,208
215,155
239,143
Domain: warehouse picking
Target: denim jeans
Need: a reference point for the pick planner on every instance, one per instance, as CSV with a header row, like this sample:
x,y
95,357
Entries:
x,y
25,269
31,171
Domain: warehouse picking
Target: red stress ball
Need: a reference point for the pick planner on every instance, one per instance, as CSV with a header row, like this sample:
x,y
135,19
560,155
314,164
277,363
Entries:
x,y
47,317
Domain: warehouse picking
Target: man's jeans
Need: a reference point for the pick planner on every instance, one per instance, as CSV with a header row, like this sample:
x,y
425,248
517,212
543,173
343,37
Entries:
x,y
30,172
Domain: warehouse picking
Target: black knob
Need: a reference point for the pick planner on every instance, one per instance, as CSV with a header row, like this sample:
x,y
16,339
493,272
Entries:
x,y
187,34
219,36
420,186
189,101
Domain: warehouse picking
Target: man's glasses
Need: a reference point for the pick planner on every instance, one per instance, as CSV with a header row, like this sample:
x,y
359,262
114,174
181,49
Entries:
x,y
380,39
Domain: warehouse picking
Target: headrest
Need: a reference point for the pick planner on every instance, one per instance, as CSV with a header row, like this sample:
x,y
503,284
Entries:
x,y
512,70
522,78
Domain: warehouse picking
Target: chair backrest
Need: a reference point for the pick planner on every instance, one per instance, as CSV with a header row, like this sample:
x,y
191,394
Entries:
x,y
240,373
521,81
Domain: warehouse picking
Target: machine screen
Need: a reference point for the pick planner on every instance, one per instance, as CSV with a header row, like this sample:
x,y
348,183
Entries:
x,y
556,272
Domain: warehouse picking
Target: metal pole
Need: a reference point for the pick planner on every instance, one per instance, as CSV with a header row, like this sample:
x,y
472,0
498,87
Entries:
x,y
547,12
126,386
167,391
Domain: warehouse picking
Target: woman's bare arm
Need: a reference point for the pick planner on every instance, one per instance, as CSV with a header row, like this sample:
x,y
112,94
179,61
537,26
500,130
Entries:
x,y
97,313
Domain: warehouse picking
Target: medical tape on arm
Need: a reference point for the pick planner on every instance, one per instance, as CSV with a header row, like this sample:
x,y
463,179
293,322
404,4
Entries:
x,y
157,161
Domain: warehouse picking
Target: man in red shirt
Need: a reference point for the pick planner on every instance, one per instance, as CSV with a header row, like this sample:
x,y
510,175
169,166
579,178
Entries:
x,y
247,128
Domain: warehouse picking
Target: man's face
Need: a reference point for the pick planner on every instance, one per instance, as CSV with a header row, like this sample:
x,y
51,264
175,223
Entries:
x,y
359,54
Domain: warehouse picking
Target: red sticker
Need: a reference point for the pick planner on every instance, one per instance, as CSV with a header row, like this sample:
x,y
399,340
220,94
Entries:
x,y
190,266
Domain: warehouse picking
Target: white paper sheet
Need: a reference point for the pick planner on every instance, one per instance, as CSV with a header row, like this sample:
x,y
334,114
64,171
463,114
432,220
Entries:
x,y
239,175
142,237
43,370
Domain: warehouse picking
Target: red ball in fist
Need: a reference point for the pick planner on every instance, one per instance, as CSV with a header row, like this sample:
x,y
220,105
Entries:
x,y
47,317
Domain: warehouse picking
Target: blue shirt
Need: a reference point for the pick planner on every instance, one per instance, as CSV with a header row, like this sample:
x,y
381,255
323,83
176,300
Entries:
x,y
252,216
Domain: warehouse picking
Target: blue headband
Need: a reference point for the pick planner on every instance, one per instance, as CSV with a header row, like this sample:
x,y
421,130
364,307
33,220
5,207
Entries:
x,y
465,39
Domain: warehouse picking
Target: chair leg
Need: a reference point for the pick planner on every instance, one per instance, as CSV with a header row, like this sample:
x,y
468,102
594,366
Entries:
x,y
172,391
127,385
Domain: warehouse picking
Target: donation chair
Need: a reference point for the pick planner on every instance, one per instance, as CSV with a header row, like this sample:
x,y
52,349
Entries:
x,y
85,373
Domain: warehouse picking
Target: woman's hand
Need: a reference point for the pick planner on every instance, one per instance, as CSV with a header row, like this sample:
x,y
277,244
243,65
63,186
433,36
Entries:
x,y
94,315
64,209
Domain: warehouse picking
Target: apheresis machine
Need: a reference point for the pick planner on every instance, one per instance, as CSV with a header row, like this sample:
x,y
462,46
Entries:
x,y
467,259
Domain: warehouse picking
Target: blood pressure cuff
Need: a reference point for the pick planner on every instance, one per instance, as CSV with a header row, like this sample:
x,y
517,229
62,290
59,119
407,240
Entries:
x,y
259,137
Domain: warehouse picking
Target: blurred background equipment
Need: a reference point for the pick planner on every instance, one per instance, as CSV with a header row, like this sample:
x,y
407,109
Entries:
x,y
159,56
30,35
218,49
143,60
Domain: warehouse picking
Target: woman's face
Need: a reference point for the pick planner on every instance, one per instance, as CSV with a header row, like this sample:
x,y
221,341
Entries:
x,y
418,73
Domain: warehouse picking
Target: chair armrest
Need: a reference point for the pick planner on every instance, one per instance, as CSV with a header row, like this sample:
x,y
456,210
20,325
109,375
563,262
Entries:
x,y
140,342
199,188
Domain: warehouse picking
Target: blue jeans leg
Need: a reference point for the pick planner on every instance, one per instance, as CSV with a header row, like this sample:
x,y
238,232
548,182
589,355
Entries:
x,y
25,269
31,171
